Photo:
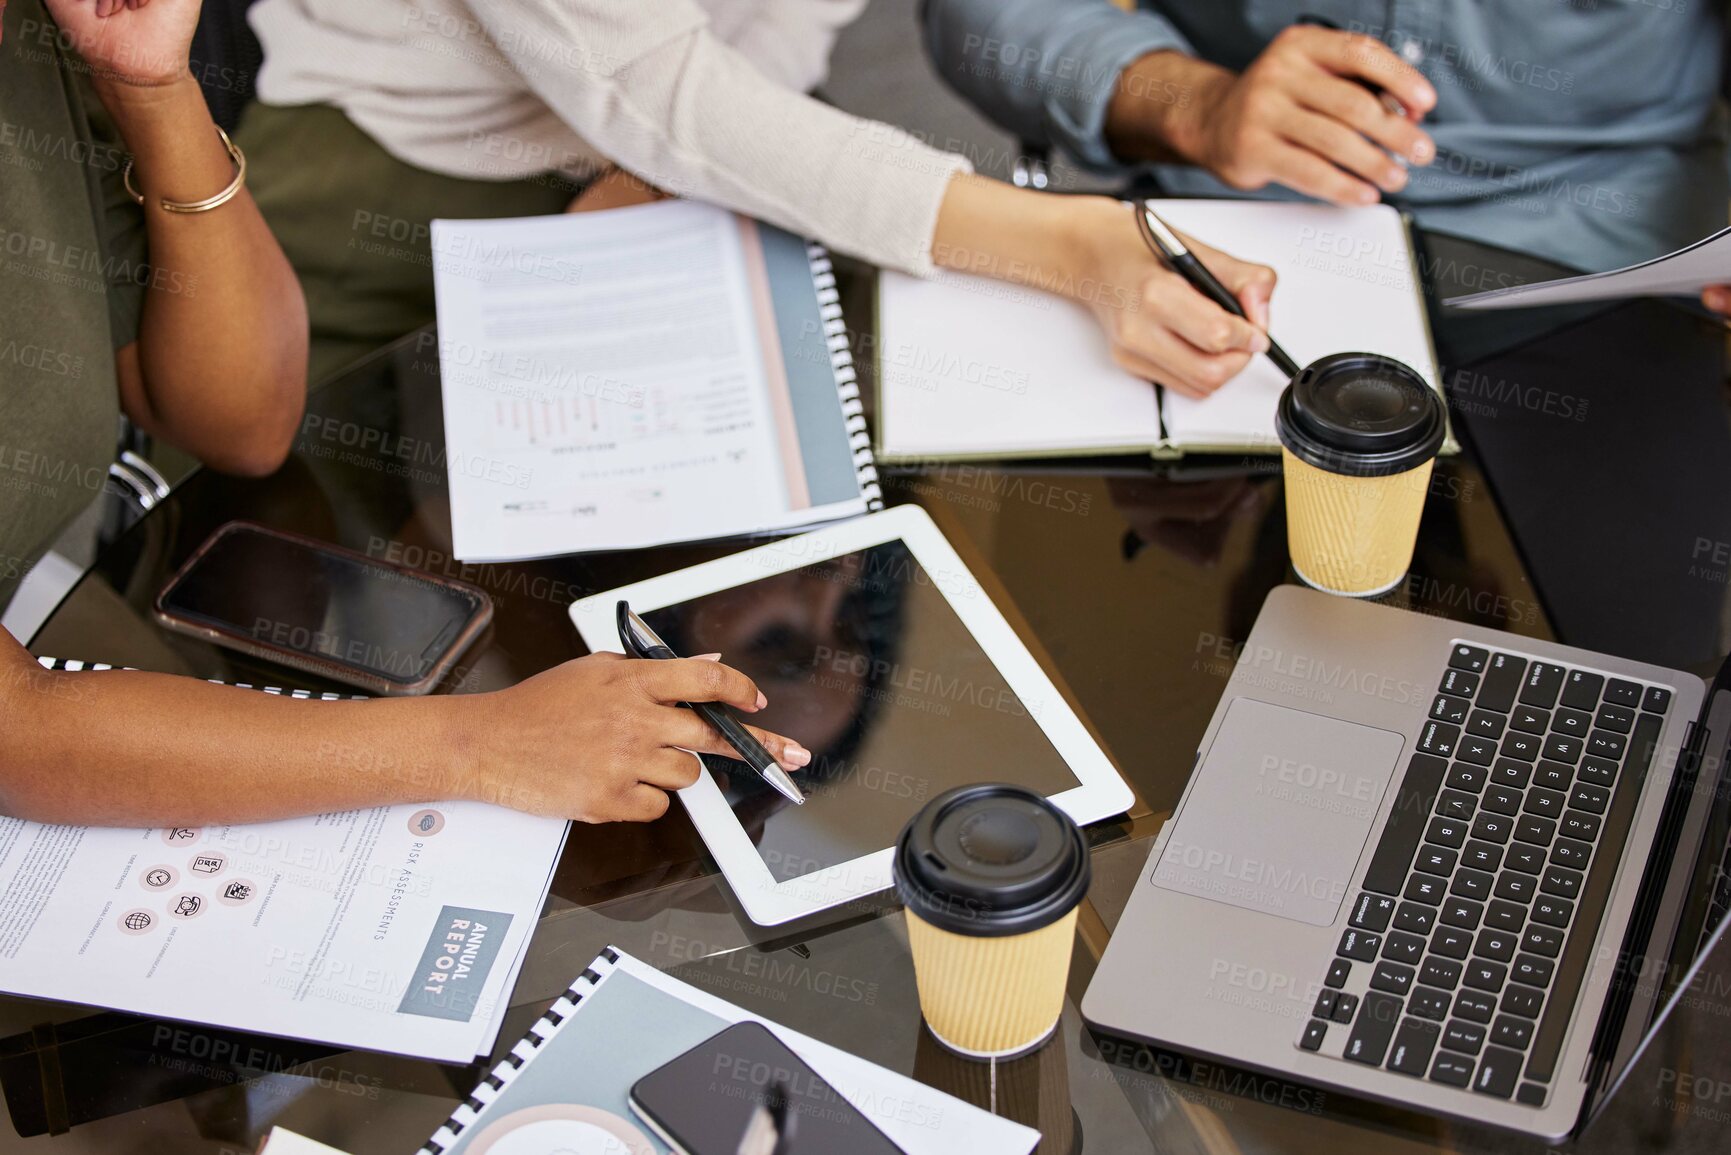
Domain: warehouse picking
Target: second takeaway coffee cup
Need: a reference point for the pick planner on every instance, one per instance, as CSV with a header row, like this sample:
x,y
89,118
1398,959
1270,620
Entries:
x,y
1358,434
991,876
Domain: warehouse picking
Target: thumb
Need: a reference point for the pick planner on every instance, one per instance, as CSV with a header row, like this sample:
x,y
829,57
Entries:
x,y
1253,285
1247,335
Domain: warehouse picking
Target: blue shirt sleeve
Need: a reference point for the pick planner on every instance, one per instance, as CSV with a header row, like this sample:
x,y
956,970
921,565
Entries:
x,y
1045,70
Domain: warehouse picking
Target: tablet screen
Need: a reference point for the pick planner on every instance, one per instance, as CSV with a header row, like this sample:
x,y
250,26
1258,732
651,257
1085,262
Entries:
x,y
864,662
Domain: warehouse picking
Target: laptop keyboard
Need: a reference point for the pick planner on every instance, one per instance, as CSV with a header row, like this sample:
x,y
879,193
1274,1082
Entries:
x,y
1465,950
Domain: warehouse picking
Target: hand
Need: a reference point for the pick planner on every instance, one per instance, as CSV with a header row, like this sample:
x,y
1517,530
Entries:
x,y
1161,328
1295,117
134,42
603,739
1718,299
614,188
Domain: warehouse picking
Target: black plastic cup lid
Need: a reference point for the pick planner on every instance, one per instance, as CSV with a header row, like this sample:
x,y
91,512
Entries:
x,y
991,860
1362,415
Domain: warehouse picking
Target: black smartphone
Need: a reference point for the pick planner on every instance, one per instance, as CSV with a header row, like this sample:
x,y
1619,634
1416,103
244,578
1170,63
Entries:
x,y
323,609
745,1081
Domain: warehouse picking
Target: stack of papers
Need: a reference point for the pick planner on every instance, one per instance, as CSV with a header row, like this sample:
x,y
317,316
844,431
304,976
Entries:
x,y
1683,273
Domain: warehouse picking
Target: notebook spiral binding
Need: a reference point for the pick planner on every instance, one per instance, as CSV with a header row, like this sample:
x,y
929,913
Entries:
x,y
527,1047
73,665
846,380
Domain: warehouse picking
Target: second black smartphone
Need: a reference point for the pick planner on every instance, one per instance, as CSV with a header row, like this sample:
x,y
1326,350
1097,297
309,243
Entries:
x,y
703,1102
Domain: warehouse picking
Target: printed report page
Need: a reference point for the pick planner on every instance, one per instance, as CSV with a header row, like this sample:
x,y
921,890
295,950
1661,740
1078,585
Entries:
x,y
395,929
604,382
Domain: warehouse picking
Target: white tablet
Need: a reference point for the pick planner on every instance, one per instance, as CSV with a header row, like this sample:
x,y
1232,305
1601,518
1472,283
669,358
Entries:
x,y
881,654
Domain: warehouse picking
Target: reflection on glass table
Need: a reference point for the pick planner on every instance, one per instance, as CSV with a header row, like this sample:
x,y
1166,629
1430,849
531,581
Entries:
x,y
1516,535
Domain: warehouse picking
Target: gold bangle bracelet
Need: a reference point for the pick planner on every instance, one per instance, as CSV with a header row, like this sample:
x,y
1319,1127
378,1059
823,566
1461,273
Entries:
x,y
208,203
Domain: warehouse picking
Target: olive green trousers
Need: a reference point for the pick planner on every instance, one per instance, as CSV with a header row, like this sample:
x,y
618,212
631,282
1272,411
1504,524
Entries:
x,y
354,221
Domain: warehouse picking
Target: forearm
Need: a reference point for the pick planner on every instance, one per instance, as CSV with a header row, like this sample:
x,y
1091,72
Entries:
x,y
223,336
790,41
1046,70
1156,106
992,229
688,113
137,749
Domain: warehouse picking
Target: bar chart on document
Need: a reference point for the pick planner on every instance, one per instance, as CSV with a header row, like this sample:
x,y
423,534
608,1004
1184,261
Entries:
x,y
603,389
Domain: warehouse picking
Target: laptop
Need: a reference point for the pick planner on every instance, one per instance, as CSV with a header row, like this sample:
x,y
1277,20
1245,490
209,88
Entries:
x,y
1432,864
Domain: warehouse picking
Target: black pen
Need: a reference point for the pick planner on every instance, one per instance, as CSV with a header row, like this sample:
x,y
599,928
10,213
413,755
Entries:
x,y
642,642
1390,103
1177,256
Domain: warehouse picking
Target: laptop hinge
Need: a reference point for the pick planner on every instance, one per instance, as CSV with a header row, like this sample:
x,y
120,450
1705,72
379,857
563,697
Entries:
x,y
1608,1033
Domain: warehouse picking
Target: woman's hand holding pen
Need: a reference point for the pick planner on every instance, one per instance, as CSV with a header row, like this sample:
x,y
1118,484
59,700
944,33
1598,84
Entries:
x,y
1088,248
600,739
1161,328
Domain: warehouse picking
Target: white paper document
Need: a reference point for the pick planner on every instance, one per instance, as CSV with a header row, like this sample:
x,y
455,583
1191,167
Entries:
x,y
398,928
1683,273
969,367
282,1141
615,380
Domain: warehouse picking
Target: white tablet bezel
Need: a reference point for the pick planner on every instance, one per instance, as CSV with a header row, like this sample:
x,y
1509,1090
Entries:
x,y
1100,792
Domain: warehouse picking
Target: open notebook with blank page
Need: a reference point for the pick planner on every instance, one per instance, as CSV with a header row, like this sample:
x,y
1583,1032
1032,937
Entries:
x,y
975,368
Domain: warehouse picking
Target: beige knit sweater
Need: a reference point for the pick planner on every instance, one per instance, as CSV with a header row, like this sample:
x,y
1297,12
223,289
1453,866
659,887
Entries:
x,y
703,100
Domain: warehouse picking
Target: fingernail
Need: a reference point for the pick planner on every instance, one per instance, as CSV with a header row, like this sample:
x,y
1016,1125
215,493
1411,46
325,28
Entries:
x,y
796,755
1421,152
1367,196
1394,179
761,700
709,657
1258,341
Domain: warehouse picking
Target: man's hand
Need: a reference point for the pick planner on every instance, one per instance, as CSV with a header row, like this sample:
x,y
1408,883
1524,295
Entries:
x,y
144,43
615,188
1298,116
603,738
1160,327
1718,299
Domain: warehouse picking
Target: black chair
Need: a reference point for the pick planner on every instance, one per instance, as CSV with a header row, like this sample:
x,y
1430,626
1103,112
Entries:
x,y
226,58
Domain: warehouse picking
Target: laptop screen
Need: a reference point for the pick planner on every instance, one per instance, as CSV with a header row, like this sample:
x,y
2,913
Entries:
x,y
1687,914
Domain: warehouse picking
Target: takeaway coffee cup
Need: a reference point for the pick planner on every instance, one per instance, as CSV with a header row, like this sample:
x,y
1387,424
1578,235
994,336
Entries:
x,y
1359,434
991,876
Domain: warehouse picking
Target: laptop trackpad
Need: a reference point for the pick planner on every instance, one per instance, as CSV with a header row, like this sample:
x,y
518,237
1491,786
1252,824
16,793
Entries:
x,y
1281,808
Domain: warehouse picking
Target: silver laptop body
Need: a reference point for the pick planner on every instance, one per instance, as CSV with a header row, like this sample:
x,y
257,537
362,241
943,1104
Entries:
x,y
1353,799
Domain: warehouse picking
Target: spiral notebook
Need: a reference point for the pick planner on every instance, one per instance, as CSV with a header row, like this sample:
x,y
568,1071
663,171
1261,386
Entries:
x,y
74,665
566,1085
642,376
